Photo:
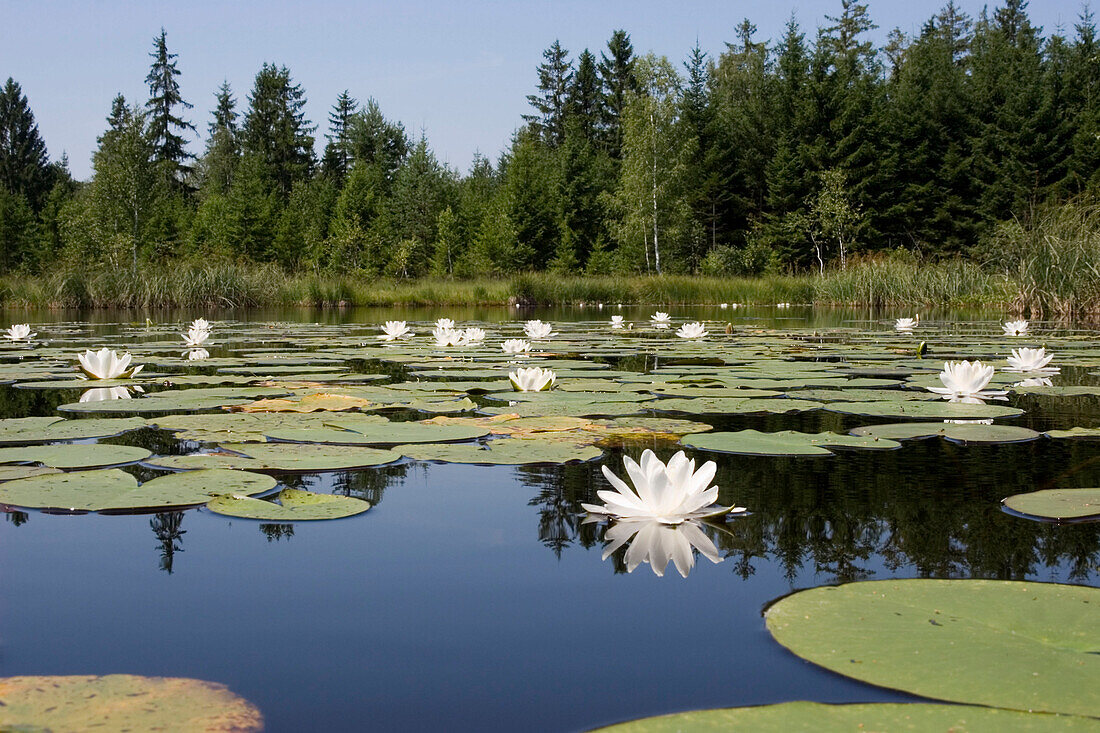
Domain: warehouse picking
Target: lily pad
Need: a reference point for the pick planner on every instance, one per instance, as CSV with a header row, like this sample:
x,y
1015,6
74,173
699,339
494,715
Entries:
x,y
811,717
51,429
955,432
240,427
8,473
356,433
177,400
1008,644
293,506
79,455
918,410
280,457
505,451
785,443
114,489
1058,504
123,702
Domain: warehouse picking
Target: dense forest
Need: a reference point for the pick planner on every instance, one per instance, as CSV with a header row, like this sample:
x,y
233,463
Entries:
x,y
783,155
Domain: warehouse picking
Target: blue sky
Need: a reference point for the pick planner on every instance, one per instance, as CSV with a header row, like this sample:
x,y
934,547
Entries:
x,y
459,71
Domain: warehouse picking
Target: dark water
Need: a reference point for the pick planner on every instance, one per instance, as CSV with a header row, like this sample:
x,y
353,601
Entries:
x,y
472,598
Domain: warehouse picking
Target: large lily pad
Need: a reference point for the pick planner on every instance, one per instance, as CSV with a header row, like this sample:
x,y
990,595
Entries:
x,y
8,473
1024,646
241,427
733,405
78,455
114,489
924,410
955,432
505,451
391,433
785,443
177,400
280,457
123,702
293,506
1058,504
51,429
812,717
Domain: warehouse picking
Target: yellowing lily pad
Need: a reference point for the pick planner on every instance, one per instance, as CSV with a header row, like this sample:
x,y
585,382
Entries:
x,y
293,506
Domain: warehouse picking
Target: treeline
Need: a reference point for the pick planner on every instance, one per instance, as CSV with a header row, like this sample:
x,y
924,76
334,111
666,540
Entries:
x,y
792,154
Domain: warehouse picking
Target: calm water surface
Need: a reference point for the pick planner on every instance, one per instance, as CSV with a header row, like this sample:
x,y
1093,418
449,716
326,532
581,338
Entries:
x,y
472,598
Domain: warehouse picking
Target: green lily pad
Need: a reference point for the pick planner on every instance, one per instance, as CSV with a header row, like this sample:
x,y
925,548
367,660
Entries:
x,y
733,405
569,408
785,443
177,400
353,432
242,427
955,432
280,457
1007,644
8,473
114,489
812,717
503,451
123,702
918,410
293,506
78,455
1080,433
1056,503
52,429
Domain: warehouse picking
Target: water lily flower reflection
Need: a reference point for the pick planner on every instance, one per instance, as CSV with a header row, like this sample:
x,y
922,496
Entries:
x,y
616,321
198,355
536,329
515,346
692,331
1031,360
669,494
532,379
20,332
1034,382
393,330
965,382
907,324
99,394
106,364
660,319
1015,328
657,543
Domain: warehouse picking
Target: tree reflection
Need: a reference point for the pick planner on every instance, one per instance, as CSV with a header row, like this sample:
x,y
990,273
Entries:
x,y
166,528
16,518
276,532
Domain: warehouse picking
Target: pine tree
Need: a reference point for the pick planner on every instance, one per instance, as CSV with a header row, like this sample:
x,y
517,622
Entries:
x,y
276,129
338,152
618,81
584,102
710,193
24,166
223,150
166,128
376,141
555,77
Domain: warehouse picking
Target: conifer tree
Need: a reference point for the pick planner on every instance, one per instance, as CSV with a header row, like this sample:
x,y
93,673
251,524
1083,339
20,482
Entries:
x,y
276,129
24,165
584,103
338,152
555,77
166,127
618,80
223,150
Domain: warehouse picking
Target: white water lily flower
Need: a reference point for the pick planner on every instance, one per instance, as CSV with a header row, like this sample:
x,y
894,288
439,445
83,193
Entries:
x,y
660,319
1015,328
964,381
532,379
723,306
616,321
195,337
20,332
907,324
445,324
782,305
656,543
536,329
393,330
474,335
1035,382
669,494
100,394
448,337
198,354
1031,360
692,331
515,346
106,364
200,324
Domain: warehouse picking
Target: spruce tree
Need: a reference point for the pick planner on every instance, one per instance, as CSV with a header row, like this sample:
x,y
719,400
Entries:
x,y
223,150
584,102
338,152
618,81
24,166
276,130
555,77
166,127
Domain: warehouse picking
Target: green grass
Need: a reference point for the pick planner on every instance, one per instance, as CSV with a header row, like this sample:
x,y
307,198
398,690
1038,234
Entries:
x,y
881,282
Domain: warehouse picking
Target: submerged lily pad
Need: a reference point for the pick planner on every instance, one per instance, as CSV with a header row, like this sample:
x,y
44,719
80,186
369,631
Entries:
x,y
79,455
51,429
1008,644
114,489
955,432
1056,503
505,451
785,443
123,702
290,457
811,717
921,410
293,506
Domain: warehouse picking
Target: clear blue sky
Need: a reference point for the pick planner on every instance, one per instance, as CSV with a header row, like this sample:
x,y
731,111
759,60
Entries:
x,y
459,71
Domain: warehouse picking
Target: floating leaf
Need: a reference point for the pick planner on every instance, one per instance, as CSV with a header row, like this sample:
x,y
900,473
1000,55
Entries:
x,y
785,443
356,433
293,506
292,457
733,405
177,400
955,432
930,410
1025,646
7,473
114,489
51,429
123,702
1057,503
243,427
79,455
509,451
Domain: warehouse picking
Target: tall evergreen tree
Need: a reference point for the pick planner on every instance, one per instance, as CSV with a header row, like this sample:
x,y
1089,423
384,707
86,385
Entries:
x,y
584,103
24,166
555,77
338,152
376,141
223,150
276,129
166,127
618,81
